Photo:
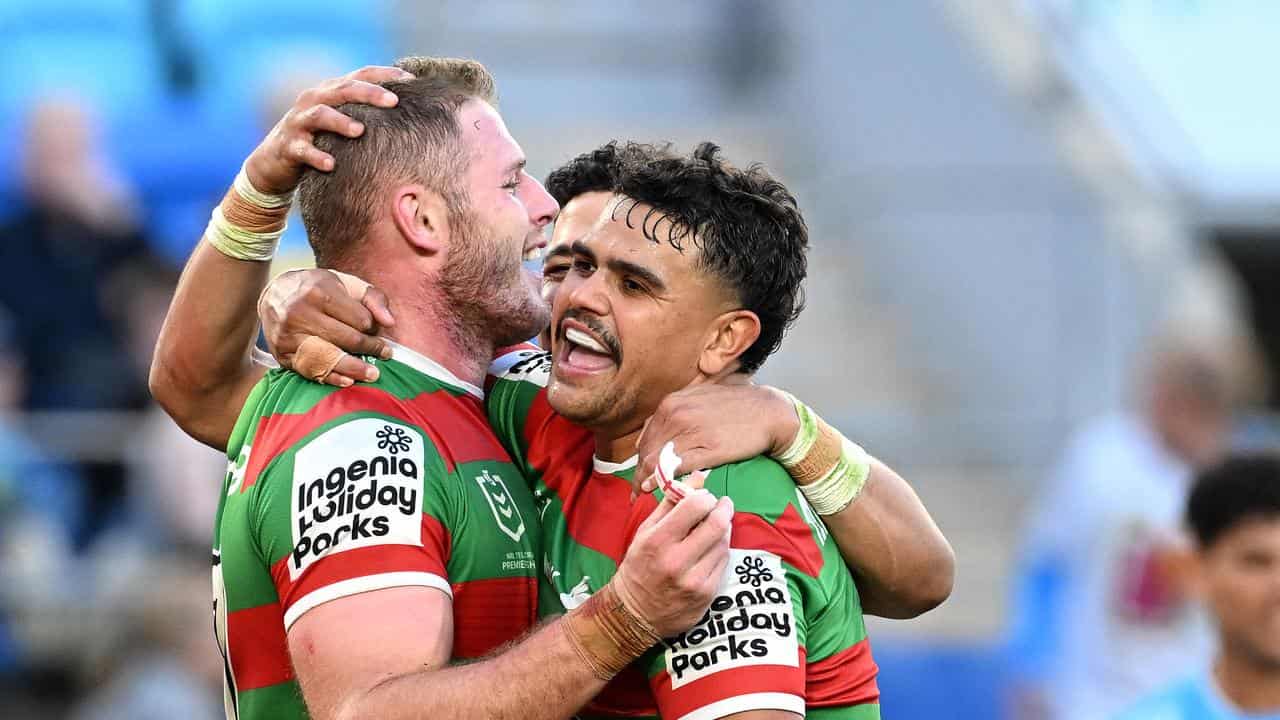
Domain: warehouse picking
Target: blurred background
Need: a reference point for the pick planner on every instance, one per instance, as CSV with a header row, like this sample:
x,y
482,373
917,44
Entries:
x,y
1042,235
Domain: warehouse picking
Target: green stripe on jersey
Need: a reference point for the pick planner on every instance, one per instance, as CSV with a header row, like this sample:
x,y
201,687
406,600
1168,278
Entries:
x,y
336,491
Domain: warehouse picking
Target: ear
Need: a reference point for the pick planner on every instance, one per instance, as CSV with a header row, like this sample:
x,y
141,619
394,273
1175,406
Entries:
x,y
730,336
421,217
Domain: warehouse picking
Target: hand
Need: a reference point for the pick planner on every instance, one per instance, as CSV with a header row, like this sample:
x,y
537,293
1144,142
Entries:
x,y
302,303
716,424
675,563
276,165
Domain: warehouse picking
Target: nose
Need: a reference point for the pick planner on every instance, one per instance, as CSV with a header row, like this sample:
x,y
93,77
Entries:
x,y
542,207
585,293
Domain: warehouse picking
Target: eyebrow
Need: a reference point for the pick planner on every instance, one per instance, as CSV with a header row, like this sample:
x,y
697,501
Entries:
x,y
559,250
516,166
624,267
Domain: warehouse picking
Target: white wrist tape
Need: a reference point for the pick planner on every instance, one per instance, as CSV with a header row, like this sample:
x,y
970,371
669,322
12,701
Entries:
x,y
841,486
236,242
257,198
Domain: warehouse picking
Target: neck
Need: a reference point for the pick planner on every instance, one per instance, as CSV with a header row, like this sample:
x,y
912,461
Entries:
x,y
617,445
1251,686
426,324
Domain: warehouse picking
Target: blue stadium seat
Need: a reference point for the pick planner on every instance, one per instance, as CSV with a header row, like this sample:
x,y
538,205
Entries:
x,y
181,157
923,681
241,45
121,17
115,72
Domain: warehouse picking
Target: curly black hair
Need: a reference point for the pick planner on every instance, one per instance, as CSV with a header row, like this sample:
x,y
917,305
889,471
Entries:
x,y
599,169
746,224
1242,488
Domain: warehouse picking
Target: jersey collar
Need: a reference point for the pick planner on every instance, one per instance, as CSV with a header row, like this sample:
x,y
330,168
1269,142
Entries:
x,y
612,468
430,368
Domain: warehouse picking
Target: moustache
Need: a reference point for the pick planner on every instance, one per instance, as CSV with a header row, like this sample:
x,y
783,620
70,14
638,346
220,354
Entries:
x,y
594,325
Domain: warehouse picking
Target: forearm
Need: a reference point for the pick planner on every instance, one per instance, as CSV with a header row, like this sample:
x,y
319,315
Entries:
x,y
204,363
903,563
540,678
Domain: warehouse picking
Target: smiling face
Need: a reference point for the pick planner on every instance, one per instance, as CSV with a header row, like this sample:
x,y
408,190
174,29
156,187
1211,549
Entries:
x,y
576,219
636,318
502,223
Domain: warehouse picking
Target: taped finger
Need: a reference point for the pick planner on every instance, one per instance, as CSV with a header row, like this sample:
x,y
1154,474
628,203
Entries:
x,y
316,358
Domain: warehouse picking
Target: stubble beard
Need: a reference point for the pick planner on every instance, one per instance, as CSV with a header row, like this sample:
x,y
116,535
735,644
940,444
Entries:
x,y
490,296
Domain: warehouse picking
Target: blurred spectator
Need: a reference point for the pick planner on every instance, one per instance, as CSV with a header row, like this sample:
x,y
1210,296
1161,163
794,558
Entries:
x,y
40,514
65,255
1101,612
78,228
1234,512
172,480
161,661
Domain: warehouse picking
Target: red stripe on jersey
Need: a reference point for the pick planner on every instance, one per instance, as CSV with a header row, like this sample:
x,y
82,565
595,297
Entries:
x,y
548,436
595,510
256,644
844,678
490,612
726,684
361,562
460,419
788,537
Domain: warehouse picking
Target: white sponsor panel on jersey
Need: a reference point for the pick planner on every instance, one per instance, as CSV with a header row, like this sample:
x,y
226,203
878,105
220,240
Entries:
x,y
355,486
751,621
523,366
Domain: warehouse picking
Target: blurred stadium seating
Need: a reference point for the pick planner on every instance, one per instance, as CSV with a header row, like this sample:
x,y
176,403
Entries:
x,y
992,244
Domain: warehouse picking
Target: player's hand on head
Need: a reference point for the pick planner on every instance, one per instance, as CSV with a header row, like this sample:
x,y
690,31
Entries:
x,y
317,322
674,565
276,165
713,425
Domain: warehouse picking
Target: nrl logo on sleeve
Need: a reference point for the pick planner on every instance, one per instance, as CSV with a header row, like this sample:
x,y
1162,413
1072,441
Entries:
x,y
356,485
502,504
751,621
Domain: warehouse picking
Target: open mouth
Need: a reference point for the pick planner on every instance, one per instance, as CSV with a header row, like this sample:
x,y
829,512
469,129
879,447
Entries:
x,y
582,350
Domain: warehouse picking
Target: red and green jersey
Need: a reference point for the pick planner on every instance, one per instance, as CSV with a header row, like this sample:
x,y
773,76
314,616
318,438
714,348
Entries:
x,y
785,630
335,492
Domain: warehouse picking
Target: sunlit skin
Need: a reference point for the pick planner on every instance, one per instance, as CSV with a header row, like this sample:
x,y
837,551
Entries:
x,y
485,269
665,324
1240,573
576,219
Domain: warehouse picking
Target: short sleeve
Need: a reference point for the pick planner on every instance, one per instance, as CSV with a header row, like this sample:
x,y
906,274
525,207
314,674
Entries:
x,y
359,504
745,654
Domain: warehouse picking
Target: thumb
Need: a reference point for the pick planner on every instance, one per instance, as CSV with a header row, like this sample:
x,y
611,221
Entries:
x,y
663,509
378,305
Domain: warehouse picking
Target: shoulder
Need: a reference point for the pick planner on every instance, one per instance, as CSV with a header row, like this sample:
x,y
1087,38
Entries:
x,y
758,485
1180,701
313,425
525,362
770,514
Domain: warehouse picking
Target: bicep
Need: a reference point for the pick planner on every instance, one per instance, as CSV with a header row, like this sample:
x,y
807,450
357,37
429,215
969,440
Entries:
x,y
344,648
